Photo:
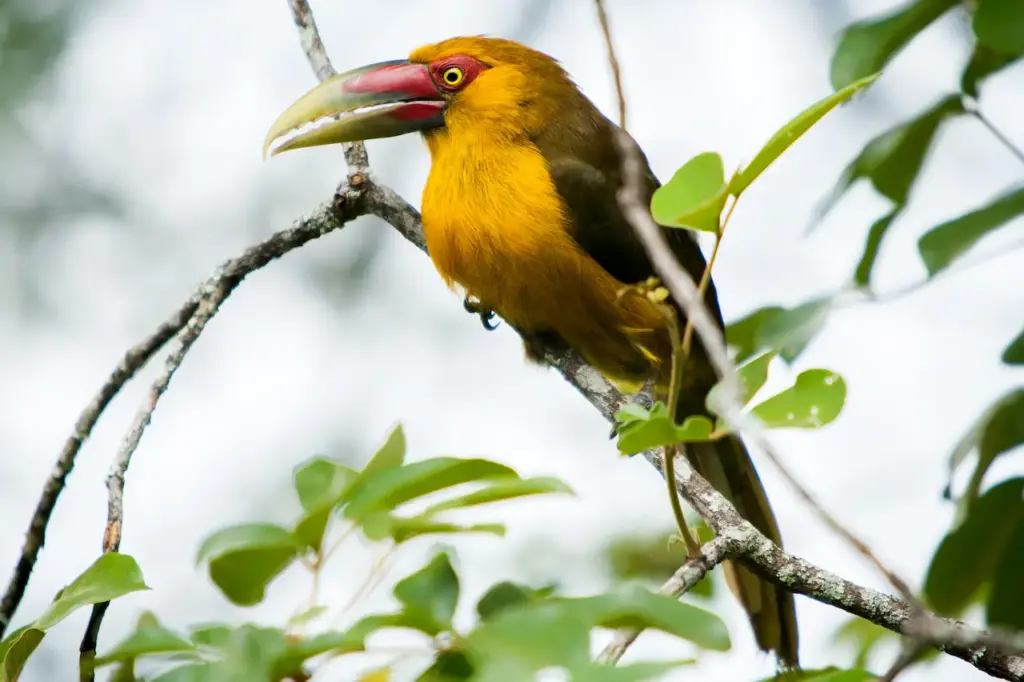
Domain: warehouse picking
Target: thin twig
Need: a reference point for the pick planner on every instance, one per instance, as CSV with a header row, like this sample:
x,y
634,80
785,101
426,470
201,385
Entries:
x,y
910,653
602,16
309,35
998,134
968,262
375,576
133,360
705,277
689,574
692,546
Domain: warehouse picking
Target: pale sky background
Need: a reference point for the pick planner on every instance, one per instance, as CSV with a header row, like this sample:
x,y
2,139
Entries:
x,y
165,104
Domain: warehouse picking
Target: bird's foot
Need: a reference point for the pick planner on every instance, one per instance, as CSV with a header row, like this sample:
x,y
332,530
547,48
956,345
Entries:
x,y
473,306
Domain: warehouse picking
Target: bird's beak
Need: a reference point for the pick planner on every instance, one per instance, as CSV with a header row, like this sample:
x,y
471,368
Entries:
x,y
379,100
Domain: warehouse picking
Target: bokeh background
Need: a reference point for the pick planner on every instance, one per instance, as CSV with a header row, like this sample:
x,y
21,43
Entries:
x,y
130,134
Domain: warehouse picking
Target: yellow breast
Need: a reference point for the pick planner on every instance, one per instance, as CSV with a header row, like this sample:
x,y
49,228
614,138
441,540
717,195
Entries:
x,y
496,226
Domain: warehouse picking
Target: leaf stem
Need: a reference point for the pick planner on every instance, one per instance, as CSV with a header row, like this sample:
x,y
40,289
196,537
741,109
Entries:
x,y
692,547
705,278
998,134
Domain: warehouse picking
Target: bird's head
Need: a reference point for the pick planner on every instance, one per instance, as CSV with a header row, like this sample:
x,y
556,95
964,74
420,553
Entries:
x,y
458,87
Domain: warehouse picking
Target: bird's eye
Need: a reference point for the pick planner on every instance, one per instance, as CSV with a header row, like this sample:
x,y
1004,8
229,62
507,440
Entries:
x,y
452,76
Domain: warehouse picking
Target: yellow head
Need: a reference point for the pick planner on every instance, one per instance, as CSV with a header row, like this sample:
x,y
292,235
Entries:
x,y
455,87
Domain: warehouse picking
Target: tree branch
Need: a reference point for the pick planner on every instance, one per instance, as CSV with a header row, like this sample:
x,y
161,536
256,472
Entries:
x,y
993,653
613,60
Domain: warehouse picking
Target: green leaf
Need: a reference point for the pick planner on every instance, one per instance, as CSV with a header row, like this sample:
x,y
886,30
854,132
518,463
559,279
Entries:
x,y
644,430
124,672
522,640
321,484
999,24
1007,406
390,455
214,635
752,375
243,559
892,160
430,596
984,62
1005,607
387,489
967,557
647,670
1014,353
198,672
792,131
502,490
15,651
449,665
506,595
694,197
322,481
636,606
289,662
556,632
307,616
310,527
790,330
249,654
867,46
862,275
111,576
1001,430
742,334
815,400
149,637
941,245
830,674
381,525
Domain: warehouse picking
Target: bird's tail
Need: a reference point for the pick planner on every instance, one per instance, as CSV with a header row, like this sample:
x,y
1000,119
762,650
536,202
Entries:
x,y
726,464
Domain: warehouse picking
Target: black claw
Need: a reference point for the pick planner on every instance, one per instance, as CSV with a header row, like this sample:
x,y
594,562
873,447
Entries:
x,y
485,315
485,320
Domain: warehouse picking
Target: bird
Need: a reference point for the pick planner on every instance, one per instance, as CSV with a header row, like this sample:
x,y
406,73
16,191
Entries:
x,y
520,213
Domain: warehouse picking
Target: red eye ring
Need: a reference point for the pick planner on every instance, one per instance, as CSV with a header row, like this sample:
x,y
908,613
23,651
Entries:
x,y
456,71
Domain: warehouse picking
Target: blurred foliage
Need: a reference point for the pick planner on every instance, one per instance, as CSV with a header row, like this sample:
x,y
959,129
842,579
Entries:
x,y
41,188
654,557
518,630
33,35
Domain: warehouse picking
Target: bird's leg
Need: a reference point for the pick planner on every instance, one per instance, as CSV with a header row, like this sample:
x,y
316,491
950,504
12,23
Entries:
x,y
486,315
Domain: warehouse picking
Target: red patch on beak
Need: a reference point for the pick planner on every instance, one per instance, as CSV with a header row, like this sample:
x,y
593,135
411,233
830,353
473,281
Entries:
x,y
417,111
400,80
